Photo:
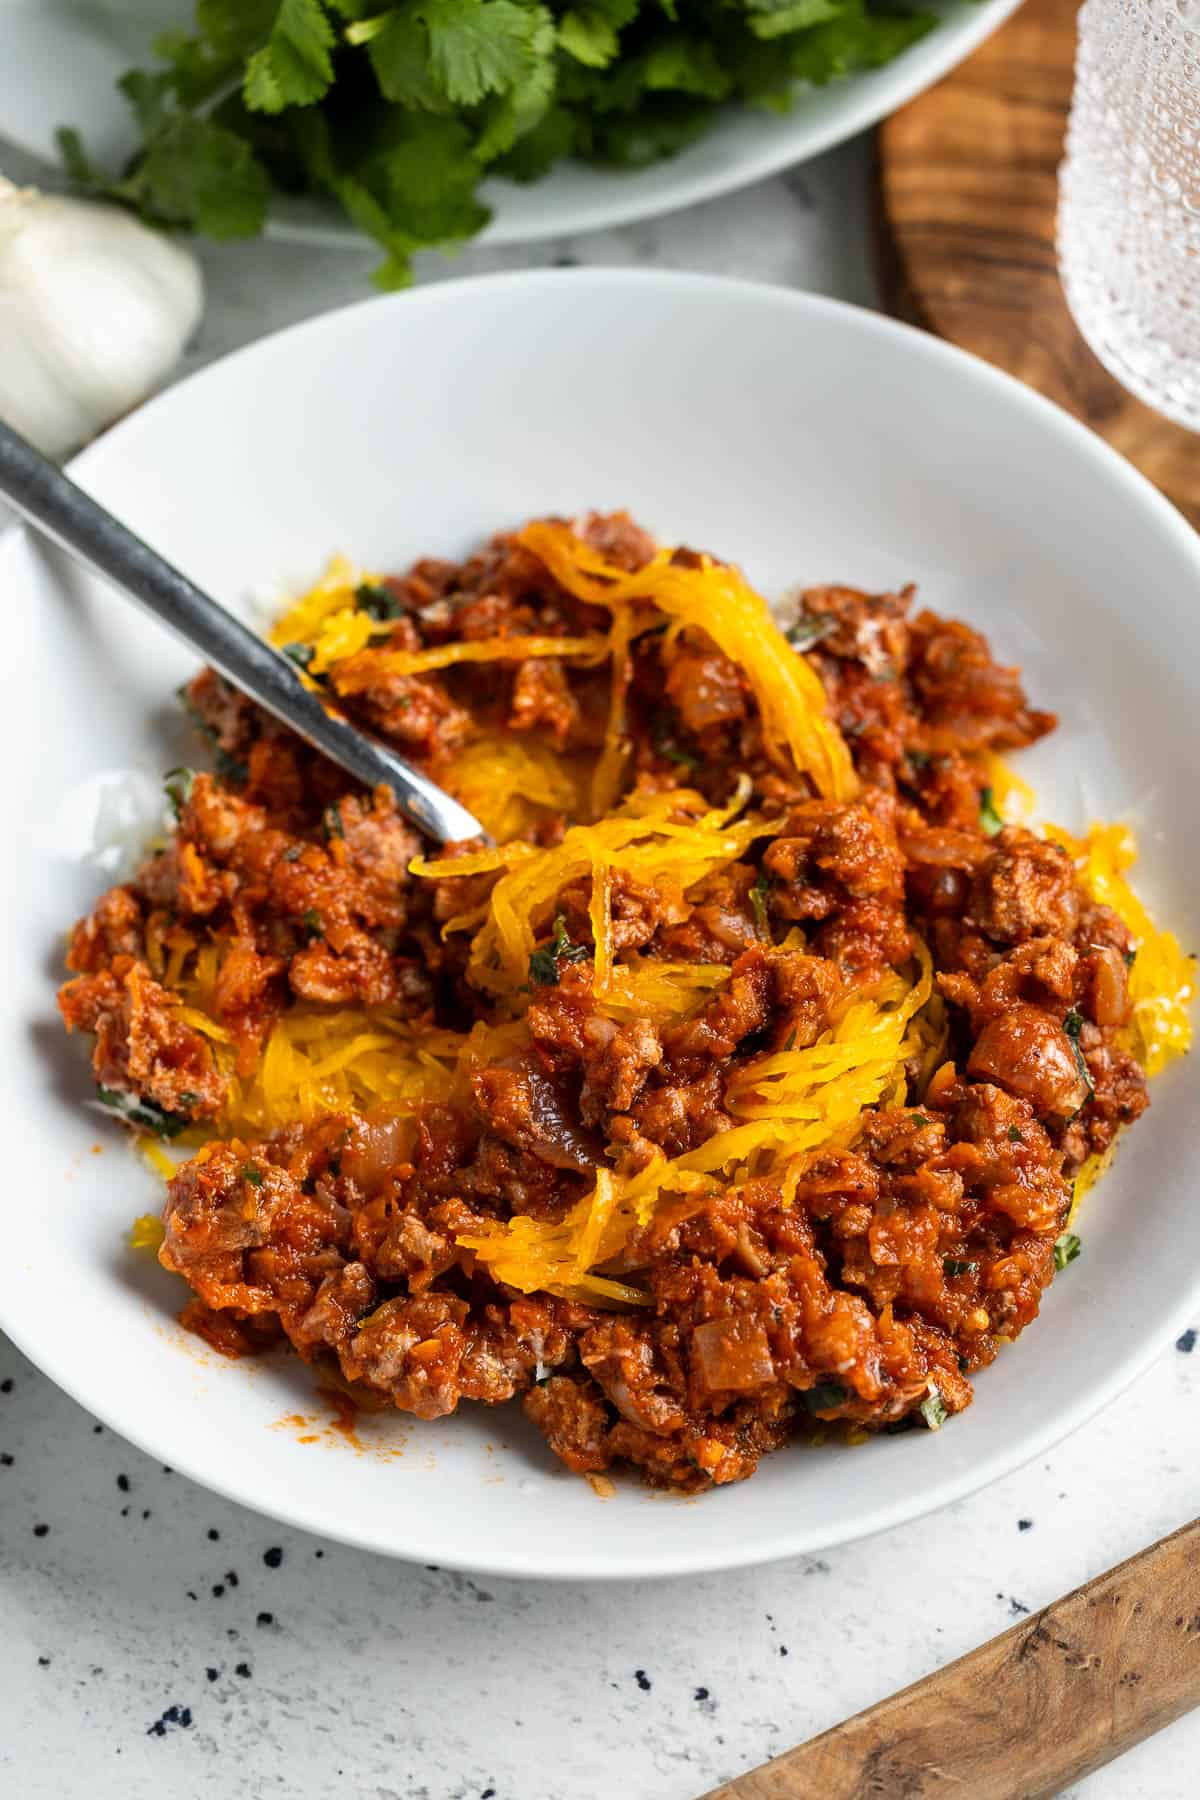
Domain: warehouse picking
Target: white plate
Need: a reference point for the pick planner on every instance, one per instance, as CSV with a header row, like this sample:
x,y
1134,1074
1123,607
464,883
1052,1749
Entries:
x,y
60,58
813,442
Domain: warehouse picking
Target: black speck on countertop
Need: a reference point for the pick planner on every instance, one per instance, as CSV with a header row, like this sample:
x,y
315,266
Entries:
x,y
273,1557
41,1531
1024,1524
191,1593
488,1794
123,1483
231,1577
43,1662
701,1693
643,1680
124,1512
6,1386
6,1461
243,1669
213,1534
96,1430
318,1553
783,1649
212,1673
174,1715
264,1619
218,1590
1186,1343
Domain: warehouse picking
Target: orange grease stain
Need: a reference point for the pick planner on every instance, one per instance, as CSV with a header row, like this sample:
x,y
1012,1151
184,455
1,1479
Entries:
x,y
345,1411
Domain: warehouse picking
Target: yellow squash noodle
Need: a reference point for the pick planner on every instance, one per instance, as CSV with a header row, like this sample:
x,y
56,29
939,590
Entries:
x,y
715,598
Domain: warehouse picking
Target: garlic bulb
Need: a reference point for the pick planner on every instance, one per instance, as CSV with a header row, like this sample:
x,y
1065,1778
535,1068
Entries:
x,y
94,311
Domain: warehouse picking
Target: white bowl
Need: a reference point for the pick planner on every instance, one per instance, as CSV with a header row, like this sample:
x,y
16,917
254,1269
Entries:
x,y
60,58
809,440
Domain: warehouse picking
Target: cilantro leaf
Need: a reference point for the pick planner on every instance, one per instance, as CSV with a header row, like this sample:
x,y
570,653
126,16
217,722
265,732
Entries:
x,y
177,784
378,602
824,1396
294,66
810,629
396,109
933,1409
759,894
1072,1025
990,821
1066,1249
775,18
481,48
544,963
142,1113
430,52
195,173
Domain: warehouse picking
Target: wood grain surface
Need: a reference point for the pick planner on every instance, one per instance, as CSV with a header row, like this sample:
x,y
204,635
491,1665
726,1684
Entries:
x,y
966,205
1020,1718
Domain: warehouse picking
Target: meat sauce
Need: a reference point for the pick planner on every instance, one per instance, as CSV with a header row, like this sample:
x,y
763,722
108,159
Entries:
x,y
899,1262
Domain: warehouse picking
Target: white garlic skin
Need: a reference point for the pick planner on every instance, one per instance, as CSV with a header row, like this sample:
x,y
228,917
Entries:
x,y
95,309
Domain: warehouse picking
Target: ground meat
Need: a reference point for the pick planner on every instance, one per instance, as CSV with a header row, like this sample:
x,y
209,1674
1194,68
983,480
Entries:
x,y
1026,888
574,1420
862,1292
141,1049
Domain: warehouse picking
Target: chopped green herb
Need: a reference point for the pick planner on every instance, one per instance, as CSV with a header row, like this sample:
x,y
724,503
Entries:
x,y
1066,1249
293,853
1130,958
312,923
920,759
824,1396
544,963
989,819
952,1266
963,1365
230,767
396,112
810,629
790,1041
662,737
758,900
178,784
187,1098
933,1409
1073,1025
300,654
378,601
920,1119
142,1113
332,821
252,1175
1014,1136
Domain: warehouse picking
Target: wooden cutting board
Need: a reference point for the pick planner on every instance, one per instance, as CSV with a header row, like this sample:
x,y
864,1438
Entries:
x,y
966,202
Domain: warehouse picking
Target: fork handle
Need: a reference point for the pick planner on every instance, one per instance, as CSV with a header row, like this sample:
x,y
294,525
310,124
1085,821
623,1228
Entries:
x,y
61,510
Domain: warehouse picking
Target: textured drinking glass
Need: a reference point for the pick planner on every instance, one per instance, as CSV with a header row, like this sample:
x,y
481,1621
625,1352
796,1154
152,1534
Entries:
x,y
1129,197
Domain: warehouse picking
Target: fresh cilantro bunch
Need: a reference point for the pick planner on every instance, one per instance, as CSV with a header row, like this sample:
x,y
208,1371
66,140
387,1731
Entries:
x,y
397,111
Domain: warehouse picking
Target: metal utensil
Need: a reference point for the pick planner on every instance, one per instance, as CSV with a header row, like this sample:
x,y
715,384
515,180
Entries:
x,y
52,503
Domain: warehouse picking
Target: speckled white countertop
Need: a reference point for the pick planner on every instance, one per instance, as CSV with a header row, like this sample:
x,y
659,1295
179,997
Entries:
x,y
157,1643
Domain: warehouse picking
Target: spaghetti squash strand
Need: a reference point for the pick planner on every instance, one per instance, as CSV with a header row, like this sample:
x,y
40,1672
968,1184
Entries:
x,y
716,598
789,1104
361,672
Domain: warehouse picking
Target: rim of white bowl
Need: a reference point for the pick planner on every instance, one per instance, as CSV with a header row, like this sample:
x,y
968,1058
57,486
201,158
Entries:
x,y
670,1562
